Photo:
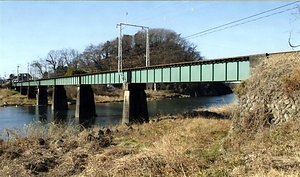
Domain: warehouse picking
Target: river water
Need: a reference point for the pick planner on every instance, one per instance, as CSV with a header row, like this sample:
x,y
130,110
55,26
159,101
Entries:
x,y
108,113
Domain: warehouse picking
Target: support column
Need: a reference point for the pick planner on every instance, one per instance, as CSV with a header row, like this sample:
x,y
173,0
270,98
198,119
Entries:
x,y
23,90
18,88
31,92
59,99
85,103
135,107
42,99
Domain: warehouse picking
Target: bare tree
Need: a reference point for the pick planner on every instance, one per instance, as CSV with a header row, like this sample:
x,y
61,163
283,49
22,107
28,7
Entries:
x,y
92,57
69,57
56,62
39,66
52,59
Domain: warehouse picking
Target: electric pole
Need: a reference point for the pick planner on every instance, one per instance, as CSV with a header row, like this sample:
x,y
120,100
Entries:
x,y
120,46
120,53
18,72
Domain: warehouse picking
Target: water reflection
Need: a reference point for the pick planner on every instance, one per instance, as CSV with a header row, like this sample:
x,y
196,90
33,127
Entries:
x,y
41,113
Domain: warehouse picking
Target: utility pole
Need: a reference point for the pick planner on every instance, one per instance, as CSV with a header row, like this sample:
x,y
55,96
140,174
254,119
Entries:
x,y
18,72
28,70
120,46
120,53
147,48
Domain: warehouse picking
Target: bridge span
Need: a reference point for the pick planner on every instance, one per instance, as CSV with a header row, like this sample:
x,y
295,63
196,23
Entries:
x,y
134,82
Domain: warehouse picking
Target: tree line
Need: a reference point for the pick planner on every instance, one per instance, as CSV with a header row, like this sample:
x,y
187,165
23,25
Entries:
x,y
166,46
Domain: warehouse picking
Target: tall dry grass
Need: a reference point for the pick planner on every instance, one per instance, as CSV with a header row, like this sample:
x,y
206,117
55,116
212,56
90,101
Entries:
x,y
181,146
171,147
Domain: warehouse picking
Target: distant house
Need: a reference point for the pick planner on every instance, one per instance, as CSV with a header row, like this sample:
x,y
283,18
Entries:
x,y
22,77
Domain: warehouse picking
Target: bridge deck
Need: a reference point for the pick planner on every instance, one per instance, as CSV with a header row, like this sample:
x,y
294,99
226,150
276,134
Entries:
x,y
219,70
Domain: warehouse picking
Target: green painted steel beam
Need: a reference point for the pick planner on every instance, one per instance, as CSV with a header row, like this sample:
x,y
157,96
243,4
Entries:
x,y
212,72
209,71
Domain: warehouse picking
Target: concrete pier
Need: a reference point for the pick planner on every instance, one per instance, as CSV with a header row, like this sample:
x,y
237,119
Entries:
x,y
42,99
135,107
85,104
18,89
59,99
23,90
31,94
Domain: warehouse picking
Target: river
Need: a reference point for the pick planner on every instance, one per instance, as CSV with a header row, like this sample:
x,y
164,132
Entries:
x,y
108,113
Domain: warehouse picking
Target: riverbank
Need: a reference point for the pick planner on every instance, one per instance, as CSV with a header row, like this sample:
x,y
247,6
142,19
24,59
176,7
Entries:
x,y
117,96
167,146
10,97
13,98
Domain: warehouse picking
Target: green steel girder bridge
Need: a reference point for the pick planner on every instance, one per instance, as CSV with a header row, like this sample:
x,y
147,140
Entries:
x,y
134,82
219,70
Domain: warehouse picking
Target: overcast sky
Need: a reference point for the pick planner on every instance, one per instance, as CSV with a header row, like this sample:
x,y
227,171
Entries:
x,y
30,29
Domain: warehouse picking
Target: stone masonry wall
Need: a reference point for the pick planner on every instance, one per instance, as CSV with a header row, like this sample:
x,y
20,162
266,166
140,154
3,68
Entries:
x,y
271,95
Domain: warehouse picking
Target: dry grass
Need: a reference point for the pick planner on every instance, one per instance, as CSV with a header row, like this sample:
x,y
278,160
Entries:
x,y
246,144
274,79
180,146
256,146
11,98
291,81
105,99
177,147
273,152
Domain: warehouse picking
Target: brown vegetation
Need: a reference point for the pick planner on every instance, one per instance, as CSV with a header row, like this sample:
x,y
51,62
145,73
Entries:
x,y
12,98
167,146
250,143
266,124
271,96
170,147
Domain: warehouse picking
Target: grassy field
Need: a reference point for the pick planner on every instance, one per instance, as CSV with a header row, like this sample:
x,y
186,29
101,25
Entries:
x,y
167,146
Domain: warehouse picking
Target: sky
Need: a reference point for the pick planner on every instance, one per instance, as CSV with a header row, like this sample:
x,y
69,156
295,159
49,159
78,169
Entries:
x,y
30,29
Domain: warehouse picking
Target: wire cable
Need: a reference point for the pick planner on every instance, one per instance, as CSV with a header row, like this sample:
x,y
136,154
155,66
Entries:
x,y
222,27
213,31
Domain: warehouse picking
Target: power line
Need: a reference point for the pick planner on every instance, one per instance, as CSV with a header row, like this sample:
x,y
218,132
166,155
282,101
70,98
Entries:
x,y
212,31
225,26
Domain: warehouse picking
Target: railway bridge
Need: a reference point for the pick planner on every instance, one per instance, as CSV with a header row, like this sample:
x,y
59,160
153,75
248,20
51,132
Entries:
x,y
134,82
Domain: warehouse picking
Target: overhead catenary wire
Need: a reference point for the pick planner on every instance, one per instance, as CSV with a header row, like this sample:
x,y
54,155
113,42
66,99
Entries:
x,y
231,26
233,23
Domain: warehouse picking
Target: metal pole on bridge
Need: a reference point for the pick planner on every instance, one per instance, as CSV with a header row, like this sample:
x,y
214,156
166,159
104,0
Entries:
x,y
120,47
120,53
